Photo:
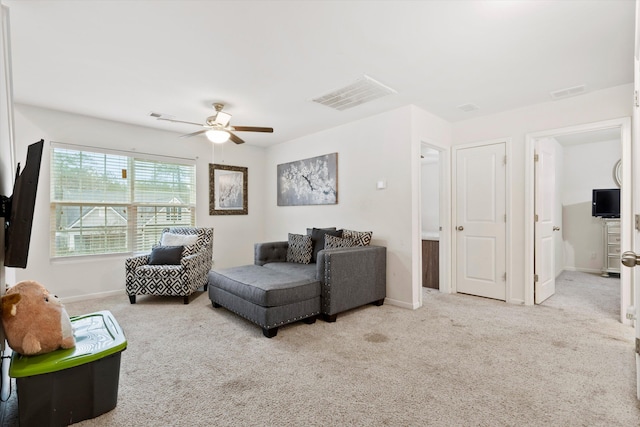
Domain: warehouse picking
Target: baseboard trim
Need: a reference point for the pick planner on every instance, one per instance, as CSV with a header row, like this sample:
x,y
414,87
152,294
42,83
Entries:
x,y
97,295
583,270
402,304
93,296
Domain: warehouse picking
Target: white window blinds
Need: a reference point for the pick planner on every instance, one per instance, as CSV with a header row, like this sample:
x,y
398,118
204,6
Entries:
x,y
113,202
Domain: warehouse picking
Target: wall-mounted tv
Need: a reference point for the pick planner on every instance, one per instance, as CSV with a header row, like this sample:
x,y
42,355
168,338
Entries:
x,y
17,209
606,203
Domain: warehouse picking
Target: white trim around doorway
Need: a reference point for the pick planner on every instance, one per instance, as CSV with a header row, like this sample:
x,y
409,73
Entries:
x,y
624,124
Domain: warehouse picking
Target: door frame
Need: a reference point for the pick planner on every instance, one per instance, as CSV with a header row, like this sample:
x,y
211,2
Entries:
x,y
624,123
444,250
508,207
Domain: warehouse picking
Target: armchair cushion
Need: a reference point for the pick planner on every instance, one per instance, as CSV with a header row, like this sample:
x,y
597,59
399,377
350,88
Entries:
x,y
166,255
172,239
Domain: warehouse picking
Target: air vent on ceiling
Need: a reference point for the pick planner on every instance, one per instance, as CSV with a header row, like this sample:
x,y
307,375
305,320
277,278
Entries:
x,y
468,107
570,91
362,90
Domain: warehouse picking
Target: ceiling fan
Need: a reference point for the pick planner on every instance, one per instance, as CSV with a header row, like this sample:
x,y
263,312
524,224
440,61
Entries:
x,y
216,127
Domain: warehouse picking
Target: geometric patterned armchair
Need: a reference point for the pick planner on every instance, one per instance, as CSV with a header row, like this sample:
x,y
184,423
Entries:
x,y
182,277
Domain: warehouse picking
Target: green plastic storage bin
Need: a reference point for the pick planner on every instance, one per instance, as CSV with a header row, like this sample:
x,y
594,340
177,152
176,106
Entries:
x,y
70,385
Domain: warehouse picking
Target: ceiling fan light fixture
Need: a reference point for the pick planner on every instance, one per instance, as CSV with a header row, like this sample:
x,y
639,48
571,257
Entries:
x,y
217,136
223,118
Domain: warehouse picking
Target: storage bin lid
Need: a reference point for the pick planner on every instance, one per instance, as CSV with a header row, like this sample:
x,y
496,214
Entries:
x,y
97,335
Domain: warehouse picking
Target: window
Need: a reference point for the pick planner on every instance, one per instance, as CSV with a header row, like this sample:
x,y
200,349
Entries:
x,y
105,202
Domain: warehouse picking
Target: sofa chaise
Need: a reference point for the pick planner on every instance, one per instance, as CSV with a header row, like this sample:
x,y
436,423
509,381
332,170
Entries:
x,y
275,290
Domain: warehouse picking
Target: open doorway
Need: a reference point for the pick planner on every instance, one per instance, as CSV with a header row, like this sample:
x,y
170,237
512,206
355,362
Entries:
x,y
589,155
435,213
430,216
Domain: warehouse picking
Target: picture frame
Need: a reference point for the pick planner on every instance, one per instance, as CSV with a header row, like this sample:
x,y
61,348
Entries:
x,y
228,190
312,181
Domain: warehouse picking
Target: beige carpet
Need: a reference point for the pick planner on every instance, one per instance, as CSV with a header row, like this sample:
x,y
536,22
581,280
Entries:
x,y
457,361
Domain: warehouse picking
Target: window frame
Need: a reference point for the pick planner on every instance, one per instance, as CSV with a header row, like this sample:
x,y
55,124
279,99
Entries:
x,y
132,239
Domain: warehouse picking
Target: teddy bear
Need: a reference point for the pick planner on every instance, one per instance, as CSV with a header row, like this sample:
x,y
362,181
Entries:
x,y
35,321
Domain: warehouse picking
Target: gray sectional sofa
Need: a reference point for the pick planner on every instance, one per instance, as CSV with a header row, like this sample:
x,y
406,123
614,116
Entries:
x,y
273,292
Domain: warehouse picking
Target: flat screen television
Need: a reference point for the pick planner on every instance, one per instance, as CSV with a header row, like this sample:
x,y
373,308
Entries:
x,y
18,208
606,203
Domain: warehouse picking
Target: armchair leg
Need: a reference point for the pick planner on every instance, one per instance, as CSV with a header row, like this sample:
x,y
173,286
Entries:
x,y
215,304
378,302
186,299
132,299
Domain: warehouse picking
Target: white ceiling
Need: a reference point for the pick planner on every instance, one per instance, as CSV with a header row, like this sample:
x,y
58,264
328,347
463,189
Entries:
x,y
266,60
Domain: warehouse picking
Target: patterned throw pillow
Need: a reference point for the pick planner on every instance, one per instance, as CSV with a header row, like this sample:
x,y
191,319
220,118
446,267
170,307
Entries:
x,y
333,242
360,238
300,249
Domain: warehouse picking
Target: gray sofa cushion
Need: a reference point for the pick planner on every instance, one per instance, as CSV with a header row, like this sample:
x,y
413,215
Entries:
x,y
297,270
263,286
264,253
317,236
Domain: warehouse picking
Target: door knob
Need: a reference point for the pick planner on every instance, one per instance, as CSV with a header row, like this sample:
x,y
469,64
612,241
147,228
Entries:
x,y
460,228
630,259
556,228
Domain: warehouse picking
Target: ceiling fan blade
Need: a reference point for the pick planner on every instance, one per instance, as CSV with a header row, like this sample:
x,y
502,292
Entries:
x,y
179,121
189,135
252,129
235,138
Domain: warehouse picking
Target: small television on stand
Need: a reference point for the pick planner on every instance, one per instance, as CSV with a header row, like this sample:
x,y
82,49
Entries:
x,y
18,208
605,203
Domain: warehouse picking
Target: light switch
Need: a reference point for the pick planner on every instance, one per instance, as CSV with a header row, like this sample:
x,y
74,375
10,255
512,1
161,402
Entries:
x,y
382,185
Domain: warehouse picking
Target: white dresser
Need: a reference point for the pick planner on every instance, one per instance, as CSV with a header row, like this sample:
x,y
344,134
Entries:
x,y
611,248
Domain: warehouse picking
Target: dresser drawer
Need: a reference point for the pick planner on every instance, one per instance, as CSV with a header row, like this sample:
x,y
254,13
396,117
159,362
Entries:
x,y
613,238
614,228
613,250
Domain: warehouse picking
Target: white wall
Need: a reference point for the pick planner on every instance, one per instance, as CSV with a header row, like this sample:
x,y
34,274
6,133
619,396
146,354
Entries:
x,y
90,276
384,147
585,166
377,148
515,124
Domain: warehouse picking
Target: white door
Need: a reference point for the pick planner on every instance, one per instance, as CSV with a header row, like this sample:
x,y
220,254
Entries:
x,y
481,221
635,178
631,175
545,222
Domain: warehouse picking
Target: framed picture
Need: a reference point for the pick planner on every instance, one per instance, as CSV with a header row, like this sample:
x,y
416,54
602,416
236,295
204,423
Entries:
x,y
312,181
228,190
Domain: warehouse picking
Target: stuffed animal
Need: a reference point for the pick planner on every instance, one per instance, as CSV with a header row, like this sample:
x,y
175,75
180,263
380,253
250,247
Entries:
x,y
35,321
